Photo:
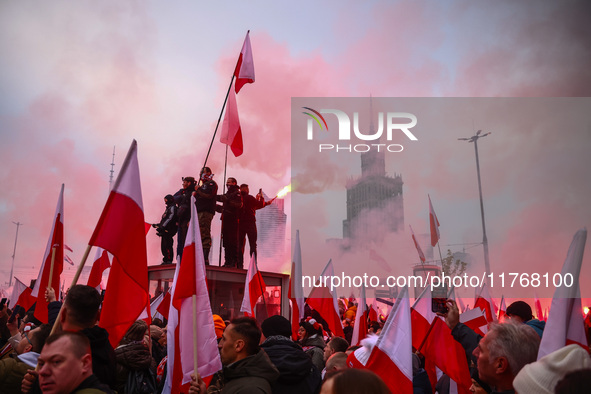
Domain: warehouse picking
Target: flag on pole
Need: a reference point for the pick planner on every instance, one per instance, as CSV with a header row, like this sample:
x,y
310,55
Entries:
x,y
373,313
120,230
434,224
244,71
565,324
231,132
538,305
323,301
485,302
254,288
391,357
164,307
21,295
192,312
419,250
502,309
101,263
422,316
295,292
360,327
56,240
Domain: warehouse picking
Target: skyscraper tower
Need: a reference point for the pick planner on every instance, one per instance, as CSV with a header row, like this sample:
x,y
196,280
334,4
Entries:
x,y
374,200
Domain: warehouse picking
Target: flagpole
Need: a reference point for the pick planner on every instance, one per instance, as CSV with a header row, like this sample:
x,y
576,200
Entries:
x,y
221,227
219,119
74,281
51,267
195,363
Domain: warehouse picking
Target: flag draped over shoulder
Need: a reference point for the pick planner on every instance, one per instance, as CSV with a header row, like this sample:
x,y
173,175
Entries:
x,y
101,263
231,131
244,71
254,287
565,324
295,292
323,301
434,224
56,240
190,314
391,357
120,230
21,295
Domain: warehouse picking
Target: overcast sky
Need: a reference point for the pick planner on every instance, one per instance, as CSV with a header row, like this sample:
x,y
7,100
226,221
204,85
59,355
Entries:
x,y
77,78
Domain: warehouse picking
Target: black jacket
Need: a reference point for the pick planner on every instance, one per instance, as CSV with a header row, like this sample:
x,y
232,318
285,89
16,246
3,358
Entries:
x,y
297,373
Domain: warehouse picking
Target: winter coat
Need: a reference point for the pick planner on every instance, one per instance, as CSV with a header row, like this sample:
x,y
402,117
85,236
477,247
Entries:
x,y
251,375
537,325
103,356
314,347
134,356
297,373
12,372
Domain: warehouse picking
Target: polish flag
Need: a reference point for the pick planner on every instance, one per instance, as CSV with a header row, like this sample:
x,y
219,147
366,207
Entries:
x,y
391,357
101,263
164,307
155,304
422,317
538,305
191,328
419,250
373,311
565,324
120,230
448,355
21,295
502,309
485,302
295,292
55,241
476,320
434,224
244,71
231,132
360,327
254,288
324,301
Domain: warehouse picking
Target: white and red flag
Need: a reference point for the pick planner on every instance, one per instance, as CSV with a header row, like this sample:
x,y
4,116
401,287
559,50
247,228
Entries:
x,y
53,251
419,250
254,288
391,357
120,230
164,307
502,309
434,224
21,295
324,301
485,302
231,131
565,324
244,71
101,263
360,327
422,317
295,292
191,328
538,305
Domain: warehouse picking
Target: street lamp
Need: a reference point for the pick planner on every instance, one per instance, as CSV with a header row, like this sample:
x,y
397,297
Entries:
x,y
474,139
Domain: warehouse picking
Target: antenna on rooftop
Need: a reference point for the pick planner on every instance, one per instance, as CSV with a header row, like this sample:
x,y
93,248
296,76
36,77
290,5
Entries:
x,y
112,171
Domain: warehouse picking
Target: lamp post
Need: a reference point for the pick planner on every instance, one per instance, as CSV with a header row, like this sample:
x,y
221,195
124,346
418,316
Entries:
x,y
474,139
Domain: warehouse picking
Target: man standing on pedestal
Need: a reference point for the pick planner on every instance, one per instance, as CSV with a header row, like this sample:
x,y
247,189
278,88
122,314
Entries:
x,y
205,197
248,225
232,202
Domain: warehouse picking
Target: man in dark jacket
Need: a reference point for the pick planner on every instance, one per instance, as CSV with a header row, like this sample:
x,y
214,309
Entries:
x,y
167,228
80,314
248,225
246,367
297,373
205,197
182,198
232,202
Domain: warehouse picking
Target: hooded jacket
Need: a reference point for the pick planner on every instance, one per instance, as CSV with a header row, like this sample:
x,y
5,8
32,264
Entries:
x,y
297,373
314,347
253,374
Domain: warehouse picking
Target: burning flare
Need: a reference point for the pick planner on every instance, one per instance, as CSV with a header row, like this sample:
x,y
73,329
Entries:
x,y
283,192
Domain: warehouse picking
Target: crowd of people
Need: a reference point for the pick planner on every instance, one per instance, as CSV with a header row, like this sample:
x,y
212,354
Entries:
x,y
237,207
266,358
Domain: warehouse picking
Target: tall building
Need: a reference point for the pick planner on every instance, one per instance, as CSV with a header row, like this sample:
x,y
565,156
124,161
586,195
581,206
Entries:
x,y
374,200
271,226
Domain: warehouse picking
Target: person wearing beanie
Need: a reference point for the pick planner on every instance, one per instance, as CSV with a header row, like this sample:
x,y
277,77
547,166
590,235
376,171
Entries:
x,y
521,312
297,373
219,325
543,375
